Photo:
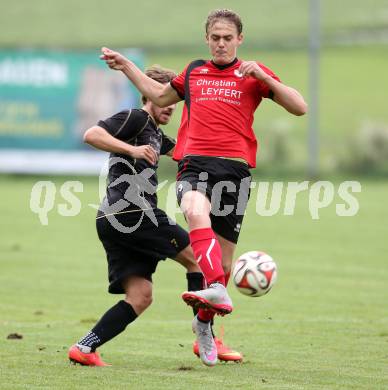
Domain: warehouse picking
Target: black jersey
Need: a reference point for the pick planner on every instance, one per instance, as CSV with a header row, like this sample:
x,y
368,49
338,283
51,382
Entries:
x,y
132,183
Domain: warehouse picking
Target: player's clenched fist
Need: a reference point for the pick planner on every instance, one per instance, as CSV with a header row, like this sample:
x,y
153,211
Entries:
x,y
113,59
146,152
251,68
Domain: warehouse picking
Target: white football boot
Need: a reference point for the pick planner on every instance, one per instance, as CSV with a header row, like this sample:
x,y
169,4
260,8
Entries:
x,y
214,298
206,344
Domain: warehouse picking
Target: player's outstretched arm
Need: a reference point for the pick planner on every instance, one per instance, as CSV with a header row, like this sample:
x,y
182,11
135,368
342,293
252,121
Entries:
x,y
287,97
99,138
162,95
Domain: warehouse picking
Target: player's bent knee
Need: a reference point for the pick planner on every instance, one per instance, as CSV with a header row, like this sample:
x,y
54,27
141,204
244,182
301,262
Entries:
x,y
197,218
146,301
191,213
139,294
140,302
195,205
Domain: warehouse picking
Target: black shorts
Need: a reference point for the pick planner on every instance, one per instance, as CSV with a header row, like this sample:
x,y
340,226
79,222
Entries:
x,y
225,182
138,252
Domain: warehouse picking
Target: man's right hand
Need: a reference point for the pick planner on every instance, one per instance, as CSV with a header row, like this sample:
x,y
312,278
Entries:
x,y
145,152
113,59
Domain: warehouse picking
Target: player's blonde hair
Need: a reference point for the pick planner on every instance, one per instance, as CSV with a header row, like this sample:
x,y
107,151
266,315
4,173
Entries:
x,y
227,14
159,74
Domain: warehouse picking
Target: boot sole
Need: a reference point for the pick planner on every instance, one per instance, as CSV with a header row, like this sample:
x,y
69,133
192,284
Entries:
x,y
202,303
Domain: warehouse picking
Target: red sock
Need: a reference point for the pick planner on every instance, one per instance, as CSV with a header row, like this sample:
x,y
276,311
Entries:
x,y
227,276
207,252
205,315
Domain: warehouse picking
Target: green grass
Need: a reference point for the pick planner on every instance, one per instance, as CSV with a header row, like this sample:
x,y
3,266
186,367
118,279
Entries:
x,y
158,25
323,326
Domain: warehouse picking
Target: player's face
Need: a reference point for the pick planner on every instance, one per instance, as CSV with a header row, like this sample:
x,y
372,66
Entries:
x,y
223,40
161,115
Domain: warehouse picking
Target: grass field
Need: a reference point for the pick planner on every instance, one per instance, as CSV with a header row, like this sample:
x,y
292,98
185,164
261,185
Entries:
x,y
323,326
161,25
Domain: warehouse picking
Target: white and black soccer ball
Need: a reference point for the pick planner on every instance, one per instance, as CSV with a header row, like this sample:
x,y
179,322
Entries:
x,y
254,273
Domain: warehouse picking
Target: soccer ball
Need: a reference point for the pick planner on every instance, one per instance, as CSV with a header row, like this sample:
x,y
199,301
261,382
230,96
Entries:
x,y
254,273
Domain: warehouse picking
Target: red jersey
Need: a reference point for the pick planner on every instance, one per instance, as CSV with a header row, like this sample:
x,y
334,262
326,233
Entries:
x,y
218,114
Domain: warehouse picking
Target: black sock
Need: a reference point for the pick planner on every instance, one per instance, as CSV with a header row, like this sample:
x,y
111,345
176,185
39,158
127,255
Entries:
x,y
195,282
112,323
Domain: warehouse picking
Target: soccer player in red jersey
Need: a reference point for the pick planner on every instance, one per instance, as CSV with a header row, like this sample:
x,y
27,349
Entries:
x,y
216,146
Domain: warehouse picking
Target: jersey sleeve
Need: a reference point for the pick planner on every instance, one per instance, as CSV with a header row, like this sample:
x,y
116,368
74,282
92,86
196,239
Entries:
x,y
168,143
265,91
178,83
125,124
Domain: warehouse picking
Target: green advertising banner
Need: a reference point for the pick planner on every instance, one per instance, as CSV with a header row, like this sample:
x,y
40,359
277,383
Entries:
x,y
49,98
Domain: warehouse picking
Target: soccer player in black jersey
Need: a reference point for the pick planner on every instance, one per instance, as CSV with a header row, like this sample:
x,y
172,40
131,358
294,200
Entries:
x,y
135,233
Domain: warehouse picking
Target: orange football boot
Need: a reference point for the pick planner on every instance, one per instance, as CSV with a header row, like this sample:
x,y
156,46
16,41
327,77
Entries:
x,y
85,359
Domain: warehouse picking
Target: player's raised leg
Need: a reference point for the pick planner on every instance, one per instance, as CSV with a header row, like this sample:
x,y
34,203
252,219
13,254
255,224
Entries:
x,y
195,282
207,251
224,352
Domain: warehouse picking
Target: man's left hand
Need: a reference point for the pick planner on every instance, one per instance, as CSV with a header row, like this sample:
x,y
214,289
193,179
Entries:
x,y
251,68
